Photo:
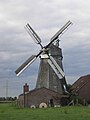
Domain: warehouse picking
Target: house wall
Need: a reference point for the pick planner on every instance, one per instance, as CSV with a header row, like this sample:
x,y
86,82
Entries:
x,y
38,96
84,92
41,96
21,101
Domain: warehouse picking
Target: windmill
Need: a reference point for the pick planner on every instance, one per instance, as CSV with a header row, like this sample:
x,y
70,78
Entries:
x,y
50,74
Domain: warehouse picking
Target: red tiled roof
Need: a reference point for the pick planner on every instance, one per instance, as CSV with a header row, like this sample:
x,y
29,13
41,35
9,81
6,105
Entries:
x,y
80,83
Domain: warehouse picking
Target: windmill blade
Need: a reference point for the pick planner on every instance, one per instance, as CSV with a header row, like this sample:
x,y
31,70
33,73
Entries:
x,y
33,34
56,67
28,62
59,33
61,30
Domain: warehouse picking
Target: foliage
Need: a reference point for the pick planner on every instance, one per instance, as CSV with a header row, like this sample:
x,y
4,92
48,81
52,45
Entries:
x,y
11,112
8,98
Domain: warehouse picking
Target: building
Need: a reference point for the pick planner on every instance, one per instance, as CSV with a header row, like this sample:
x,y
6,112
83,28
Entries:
x,y
41,97
46,75
50,89
82,88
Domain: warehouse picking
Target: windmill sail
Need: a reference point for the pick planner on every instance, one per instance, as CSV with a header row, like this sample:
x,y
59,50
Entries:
x,y
28,62
37,40
33,34
61,30
59,33
56,67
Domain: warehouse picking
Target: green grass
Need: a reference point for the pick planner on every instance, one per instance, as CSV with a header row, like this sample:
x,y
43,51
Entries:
x,y
11,112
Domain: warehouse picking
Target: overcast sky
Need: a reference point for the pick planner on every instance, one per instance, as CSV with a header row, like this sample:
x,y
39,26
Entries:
x,y
46,17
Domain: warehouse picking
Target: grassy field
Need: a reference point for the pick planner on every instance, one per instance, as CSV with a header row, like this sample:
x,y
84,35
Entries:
x,y
11,112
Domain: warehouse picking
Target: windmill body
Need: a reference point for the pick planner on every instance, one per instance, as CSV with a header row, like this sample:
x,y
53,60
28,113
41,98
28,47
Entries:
x,y
46,75
50,74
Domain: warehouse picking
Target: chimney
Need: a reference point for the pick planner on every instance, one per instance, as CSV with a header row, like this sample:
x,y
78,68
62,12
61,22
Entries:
x,y
25,88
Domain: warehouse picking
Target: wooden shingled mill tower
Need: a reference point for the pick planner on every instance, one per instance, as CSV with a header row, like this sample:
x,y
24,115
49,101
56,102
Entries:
x,y
51,74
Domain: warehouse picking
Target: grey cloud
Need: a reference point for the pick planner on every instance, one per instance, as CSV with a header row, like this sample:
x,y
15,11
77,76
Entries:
x,y
46,17
77,60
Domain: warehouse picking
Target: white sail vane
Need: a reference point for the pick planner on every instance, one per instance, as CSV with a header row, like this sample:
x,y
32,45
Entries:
x,y
28,62
60,32
59,72
33,34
